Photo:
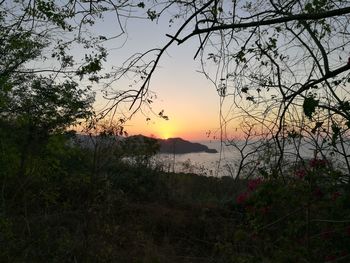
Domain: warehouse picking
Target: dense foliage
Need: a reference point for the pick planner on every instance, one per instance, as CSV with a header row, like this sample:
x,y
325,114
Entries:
x,y
302,219
63,210
62,200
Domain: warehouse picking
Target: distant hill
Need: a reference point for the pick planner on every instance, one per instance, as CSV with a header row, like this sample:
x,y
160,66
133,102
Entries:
x,y
174,145
179,145
171,145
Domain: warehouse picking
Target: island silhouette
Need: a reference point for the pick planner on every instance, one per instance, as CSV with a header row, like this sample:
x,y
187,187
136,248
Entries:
x,y
173,145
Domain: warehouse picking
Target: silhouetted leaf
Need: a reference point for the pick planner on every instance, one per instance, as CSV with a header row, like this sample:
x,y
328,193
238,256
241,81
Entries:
x,y
318,125
161,114
250,98
336,132
309,106
244,89
151,14
141,4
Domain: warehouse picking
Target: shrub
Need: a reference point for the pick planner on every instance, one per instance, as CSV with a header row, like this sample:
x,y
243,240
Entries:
x,y
303,218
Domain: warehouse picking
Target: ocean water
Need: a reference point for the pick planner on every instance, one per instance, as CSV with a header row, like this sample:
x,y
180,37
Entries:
x,y
225,162
221,163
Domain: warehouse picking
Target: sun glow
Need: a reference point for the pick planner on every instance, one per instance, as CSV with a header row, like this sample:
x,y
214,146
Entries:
x,y
167,130
166,133
192,128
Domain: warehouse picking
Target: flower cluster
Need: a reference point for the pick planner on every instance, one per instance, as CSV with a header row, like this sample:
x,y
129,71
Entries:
x,y
347,231
300,173
313,164
318,163
252,186
254,183
242,198
335,195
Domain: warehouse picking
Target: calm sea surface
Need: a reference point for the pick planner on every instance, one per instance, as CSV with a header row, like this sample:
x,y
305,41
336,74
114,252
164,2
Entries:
x,y
214,164
223,163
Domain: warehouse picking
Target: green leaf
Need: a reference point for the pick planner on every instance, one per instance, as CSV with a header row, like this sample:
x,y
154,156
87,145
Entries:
x,y
309,106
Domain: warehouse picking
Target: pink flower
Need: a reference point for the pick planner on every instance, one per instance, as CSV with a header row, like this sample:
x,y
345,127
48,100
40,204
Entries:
x,y
317,193
254,183
313,162
327,234
316,163
242,198
302,241
335,195
344,253
300,173
330,258
264,210
347,231
254,236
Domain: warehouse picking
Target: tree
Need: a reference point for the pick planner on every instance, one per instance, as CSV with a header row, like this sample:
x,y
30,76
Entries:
x,y
274,59
47,106
37,108
36,102
42,38
283,64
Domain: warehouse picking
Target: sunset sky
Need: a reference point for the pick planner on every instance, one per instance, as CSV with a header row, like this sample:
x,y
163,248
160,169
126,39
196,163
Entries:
x,y
186,96
189,99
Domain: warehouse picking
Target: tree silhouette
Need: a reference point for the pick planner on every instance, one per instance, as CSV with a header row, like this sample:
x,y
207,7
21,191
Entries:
x,y
274,60
278,62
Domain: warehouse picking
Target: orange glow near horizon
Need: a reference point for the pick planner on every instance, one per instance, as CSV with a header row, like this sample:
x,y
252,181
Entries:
x,y
165,129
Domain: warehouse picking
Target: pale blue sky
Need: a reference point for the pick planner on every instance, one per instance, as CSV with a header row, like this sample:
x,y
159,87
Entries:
x,y
187,97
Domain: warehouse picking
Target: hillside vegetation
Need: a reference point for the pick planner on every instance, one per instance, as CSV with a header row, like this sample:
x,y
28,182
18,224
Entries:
x,y
281,73
67,207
